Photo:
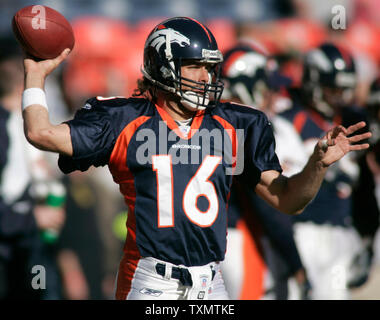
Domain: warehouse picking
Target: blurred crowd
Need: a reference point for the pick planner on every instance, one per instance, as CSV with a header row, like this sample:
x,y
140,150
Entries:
x,y
281,57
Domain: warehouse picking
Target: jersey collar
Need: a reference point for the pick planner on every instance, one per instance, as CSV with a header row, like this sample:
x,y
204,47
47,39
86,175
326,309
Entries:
x,y
172,125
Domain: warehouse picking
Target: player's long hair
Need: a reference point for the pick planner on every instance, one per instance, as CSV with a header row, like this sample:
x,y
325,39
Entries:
x,y
143,86
145,89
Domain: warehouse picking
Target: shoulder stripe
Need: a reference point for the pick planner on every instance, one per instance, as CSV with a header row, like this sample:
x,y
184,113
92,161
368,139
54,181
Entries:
x,y
231,131
299,121
101,98
118,158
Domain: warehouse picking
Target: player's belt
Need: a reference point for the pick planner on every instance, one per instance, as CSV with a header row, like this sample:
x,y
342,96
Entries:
x,y
181,274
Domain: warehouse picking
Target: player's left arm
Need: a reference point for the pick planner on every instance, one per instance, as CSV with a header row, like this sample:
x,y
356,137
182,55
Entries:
x,y
291,195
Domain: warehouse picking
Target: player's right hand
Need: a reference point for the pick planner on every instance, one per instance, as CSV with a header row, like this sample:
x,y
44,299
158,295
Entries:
x,y
43,67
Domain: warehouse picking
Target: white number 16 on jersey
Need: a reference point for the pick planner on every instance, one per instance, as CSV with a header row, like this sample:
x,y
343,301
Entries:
x,y
199,185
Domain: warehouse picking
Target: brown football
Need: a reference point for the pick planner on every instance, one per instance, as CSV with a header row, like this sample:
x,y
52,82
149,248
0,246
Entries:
x,y
42,31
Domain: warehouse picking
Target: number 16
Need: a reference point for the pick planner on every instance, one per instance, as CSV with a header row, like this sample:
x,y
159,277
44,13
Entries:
x,y
199,185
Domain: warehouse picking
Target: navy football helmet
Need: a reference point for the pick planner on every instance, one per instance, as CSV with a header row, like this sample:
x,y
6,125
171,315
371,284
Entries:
x,y
329,78
170,44
244,70
250,73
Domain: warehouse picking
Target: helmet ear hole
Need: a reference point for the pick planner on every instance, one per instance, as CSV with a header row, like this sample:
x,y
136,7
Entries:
x,y
166,73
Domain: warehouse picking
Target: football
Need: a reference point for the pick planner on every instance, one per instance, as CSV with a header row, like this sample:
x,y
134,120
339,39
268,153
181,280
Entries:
x,y
42,31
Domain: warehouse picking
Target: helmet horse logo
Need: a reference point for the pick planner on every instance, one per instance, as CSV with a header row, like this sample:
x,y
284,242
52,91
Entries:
x,y
161,36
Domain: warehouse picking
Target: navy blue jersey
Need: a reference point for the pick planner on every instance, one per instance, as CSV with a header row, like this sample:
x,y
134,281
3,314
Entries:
x,y
176,186
330,205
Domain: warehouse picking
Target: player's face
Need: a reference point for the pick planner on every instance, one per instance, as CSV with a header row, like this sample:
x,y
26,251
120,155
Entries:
x,y
337,96
195,71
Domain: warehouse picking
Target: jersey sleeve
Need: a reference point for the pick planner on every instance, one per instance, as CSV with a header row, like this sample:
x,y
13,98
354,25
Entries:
x,y
259,150
92,136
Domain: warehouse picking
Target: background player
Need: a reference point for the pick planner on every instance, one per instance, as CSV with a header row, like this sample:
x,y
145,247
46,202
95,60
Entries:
x,y
366,195
324,233
249,80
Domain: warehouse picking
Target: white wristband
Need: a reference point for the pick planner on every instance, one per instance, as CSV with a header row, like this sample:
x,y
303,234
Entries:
x,y
33,96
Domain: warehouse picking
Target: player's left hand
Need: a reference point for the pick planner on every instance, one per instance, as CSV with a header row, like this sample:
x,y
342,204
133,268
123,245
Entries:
x,y
339,141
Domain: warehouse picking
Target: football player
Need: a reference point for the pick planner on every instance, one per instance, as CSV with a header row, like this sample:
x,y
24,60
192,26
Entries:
x,y
174,151
249,79
324,233
366,195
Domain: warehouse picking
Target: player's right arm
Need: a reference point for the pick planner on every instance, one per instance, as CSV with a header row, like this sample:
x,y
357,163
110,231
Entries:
x,y
39,131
